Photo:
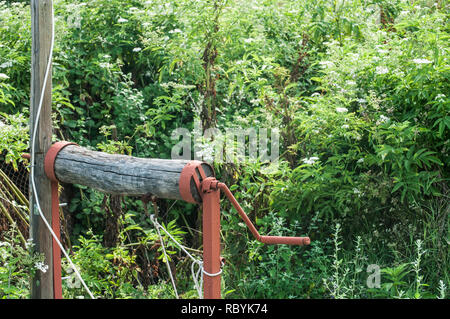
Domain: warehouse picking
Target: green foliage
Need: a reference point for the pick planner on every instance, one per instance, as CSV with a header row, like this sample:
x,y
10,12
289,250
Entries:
x,y
14,134
358,90
18,265
15,56
277,271
107,272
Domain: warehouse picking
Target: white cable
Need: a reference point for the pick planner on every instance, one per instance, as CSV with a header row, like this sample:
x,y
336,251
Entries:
x,y
166,259
32,158
198,280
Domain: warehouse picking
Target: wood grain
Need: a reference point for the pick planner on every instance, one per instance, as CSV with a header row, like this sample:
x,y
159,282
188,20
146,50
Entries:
x,y
41,28
120,174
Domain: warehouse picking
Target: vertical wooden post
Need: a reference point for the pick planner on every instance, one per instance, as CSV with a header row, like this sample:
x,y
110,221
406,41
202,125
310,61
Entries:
x,y
41,29
211,244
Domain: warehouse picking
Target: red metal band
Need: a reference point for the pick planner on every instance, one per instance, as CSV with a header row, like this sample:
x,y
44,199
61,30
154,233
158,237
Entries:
x,y
50,157
57,281
189,173
49,167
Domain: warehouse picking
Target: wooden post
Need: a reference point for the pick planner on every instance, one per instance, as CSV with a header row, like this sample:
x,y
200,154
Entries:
x,y
41,29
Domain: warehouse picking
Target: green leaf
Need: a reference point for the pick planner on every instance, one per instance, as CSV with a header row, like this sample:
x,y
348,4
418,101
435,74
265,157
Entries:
x,y
397,186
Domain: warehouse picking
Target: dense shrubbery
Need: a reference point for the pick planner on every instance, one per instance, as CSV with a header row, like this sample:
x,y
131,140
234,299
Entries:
x,y
359,91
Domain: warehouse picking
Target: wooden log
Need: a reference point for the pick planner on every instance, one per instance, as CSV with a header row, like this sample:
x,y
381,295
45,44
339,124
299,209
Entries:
x,y
121,174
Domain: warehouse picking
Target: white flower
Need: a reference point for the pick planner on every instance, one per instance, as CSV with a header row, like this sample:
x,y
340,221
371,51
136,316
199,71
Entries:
x,y
137,49
399,73
381,70
341,110
105,65
29,244
361,160
362,101
326,63
3,76
206,152
345,126
350,82
310,160
3,254
6,65
383,119
122,20
421,61
41,266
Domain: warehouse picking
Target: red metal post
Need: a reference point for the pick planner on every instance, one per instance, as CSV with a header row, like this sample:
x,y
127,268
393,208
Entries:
x,y
49,167
57,281
194,179
211,243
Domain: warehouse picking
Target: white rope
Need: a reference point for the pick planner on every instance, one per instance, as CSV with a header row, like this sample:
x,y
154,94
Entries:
x,y
166,258
196,278
32,159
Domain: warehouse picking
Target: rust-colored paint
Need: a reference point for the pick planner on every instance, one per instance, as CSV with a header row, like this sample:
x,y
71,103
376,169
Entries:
x,y
49,167
264,239
189,173
57,281
50,157
211,241
209,190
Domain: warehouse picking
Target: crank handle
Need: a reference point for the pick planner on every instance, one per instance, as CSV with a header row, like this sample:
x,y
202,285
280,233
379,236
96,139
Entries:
x,y
301,241
264,239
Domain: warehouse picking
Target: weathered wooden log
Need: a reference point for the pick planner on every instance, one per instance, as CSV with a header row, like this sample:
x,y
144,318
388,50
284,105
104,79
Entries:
x,y
124,175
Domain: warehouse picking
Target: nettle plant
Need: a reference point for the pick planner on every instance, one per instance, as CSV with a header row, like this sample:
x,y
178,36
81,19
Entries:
x,y
381,108
18,264
15,56
13,137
